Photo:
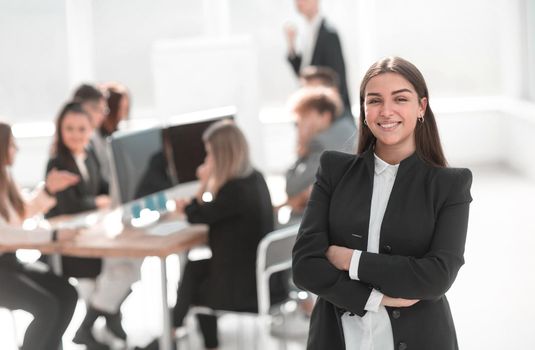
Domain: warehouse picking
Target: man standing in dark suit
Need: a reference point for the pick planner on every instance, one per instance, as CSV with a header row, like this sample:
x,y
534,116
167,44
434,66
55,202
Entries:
x,y
321,45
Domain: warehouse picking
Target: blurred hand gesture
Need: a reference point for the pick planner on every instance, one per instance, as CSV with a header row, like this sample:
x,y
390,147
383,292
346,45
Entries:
x,y
58,180
103,201
181,205
291,34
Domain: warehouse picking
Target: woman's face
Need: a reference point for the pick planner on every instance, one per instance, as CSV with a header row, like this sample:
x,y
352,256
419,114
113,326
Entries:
x,y
76,131
391,107
11,151
209,159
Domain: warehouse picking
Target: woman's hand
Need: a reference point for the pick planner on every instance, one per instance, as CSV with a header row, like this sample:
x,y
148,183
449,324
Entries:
x,y
397,302
103,201
58,180
290,32
181,205
340,257
203,173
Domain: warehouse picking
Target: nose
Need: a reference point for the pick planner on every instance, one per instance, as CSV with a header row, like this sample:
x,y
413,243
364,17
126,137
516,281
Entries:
x,y
387,109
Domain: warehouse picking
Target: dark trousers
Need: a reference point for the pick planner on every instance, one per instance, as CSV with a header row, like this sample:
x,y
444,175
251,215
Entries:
x,y
49,298
189,293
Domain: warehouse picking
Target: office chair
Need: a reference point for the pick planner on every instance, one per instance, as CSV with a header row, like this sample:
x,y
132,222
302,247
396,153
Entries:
x,y
14,327
274,254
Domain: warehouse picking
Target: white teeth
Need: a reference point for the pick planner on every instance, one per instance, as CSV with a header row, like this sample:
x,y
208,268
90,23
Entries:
x,y
389,125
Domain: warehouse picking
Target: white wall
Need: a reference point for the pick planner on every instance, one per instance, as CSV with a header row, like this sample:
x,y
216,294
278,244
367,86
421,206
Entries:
x,y
33,59
465,49
125,32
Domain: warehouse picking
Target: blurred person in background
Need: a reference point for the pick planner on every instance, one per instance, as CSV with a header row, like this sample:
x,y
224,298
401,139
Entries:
x,y
316,110
234,201
94,102
320,45
50,299
313,76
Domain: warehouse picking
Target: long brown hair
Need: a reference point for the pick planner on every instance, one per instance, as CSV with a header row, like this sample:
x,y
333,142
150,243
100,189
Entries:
x,y
230,152
116,93
9,193
428,146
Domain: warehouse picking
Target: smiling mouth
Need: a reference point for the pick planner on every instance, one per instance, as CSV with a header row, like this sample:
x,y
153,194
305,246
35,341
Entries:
x,y
388,125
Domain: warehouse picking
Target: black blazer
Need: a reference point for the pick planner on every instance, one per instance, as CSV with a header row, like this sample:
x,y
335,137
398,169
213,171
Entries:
x,y
327,53
421,248
238,218
76,199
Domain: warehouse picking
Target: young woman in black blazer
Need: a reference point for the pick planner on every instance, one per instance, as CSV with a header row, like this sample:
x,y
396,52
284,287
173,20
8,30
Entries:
x,y
71,153
49,298
234,201
383,235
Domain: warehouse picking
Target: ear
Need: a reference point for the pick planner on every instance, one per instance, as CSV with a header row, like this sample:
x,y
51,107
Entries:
x,y
327,116
423,105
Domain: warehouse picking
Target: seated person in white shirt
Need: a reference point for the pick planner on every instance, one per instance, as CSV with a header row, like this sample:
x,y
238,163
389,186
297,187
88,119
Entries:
x,y
50,299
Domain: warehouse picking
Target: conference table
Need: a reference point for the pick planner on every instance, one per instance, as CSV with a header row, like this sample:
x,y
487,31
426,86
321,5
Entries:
x,y
105,234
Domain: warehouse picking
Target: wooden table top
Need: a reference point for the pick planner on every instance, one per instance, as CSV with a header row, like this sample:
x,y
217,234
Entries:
x,y
135,242
127,241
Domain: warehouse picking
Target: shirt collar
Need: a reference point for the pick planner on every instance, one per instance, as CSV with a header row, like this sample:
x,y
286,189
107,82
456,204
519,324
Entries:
x,y
381,166
314,25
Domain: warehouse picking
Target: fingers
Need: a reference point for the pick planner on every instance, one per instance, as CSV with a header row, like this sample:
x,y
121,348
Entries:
x,y
58,180
102,201
398,302
181,204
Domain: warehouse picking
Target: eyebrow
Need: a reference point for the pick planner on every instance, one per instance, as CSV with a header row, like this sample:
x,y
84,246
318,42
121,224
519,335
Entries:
x,y
393,92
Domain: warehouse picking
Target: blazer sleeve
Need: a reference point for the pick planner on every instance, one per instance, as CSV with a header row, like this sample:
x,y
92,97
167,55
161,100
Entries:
x,y
332,56
311,269
430,276
224,206
70,201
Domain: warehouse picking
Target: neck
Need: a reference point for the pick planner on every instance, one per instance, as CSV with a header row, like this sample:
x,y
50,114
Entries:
x,y
78,153
393,154
311,16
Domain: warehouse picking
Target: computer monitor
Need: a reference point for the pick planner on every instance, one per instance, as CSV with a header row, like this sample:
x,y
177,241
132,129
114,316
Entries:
x,y
185,148
139,164
161,158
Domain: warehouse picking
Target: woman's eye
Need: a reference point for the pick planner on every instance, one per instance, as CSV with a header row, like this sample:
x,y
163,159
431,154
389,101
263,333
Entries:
x,y
402,99
373,101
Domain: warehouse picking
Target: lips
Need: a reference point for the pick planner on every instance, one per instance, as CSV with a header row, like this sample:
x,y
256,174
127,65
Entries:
x,y
388,125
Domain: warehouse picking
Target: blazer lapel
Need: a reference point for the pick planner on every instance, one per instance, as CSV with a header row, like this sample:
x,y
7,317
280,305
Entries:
x,y
350,217
319,39
406,167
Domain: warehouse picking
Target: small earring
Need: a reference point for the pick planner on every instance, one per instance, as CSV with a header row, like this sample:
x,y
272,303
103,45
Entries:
x,y
421,119
365,122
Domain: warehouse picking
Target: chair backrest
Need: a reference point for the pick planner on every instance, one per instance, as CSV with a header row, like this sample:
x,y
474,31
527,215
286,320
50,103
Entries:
x,y
274,254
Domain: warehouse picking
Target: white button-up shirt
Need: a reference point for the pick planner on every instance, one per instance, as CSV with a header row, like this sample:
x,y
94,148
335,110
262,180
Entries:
x,y
79,159
373,331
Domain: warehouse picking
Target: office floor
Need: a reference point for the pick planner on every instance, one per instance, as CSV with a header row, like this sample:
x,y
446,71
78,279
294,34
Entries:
x,y
491,300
